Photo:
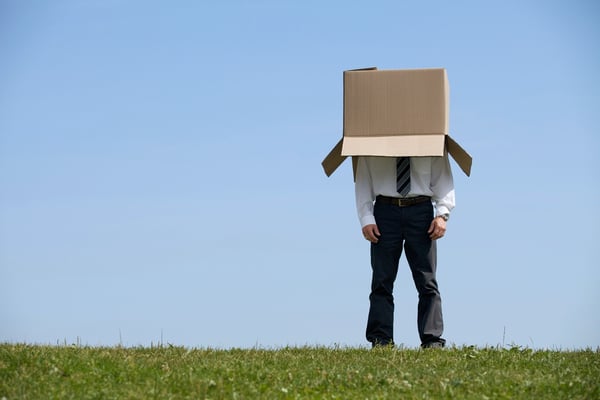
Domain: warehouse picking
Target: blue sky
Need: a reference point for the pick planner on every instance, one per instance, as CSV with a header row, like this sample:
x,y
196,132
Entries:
x,y
160,174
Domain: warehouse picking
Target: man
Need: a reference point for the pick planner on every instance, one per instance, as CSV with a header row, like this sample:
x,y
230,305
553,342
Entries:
x,y
404,203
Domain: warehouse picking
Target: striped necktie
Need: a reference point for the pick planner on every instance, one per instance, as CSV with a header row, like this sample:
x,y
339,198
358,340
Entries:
x,y
403,175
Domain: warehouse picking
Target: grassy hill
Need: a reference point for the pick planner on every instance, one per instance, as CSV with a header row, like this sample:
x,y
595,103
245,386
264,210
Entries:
x,y
167,372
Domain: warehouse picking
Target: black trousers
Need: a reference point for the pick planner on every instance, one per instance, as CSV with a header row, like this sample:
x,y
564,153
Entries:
x,y
404,227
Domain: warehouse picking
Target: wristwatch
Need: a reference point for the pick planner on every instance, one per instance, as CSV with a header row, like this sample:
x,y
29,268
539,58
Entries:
x,y
445,217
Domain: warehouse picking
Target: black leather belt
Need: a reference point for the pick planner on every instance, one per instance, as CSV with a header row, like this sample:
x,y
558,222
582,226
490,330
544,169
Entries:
x,y
404,202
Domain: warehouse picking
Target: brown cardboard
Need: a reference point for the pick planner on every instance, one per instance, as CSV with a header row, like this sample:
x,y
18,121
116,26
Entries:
x,y
462,158
395,113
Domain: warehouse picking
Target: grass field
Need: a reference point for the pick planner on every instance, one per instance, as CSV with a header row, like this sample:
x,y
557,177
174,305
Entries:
x,y
167,372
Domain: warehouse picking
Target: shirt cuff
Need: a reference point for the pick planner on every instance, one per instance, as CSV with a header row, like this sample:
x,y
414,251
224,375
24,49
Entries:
x,y
440,210
367,220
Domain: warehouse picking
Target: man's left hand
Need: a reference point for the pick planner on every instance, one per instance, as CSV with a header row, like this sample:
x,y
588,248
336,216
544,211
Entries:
x,y
437,229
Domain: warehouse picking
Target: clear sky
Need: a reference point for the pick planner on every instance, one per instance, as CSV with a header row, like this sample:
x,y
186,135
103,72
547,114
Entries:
x,y
160,174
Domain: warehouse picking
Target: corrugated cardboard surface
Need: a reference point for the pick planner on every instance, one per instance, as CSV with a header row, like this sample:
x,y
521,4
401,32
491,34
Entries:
x,y
334,159
394,113
462,158
395,102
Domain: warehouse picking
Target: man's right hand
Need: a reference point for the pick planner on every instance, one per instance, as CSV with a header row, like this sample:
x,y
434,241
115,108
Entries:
x,y
371,233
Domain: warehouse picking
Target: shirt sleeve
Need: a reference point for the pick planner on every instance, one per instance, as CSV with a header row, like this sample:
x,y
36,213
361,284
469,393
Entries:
x,y
363,188
442,185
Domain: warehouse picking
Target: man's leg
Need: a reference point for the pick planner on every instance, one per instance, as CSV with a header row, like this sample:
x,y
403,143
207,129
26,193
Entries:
x,y
421,253
385,255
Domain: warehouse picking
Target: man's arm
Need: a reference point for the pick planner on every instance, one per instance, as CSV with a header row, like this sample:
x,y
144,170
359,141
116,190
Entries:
x,y
442,185
363,189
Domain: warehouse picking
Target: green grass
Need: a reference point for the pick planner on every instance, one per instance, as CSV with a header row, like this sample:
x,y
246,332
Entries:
x,y
76,372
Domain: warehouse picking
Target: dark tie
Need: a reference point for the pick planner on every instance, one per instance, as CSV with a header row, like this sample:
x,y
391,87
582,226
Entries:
x,y
403,175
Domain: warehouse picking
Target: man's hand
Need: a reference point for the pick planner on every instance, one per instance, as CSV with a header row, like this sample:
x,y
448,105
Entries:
x,y
437,229
371,233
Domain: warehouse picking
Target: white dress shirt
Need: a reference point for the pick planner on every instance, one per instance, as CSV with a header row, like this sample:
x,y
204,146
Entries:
x,y
429,176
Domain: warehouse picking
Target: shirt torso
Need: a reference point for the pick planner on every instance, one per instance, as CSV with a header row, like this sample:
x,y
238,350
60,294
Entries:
x,y
429,176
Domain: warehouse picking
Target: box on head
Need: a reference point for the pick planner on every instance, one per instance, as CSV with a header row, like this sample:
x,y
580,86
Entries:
x,y
395,113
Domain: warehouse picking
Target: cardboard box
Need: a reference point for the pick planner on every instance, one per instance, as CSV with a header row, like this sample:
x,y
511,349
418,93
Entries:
x,y
395,113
